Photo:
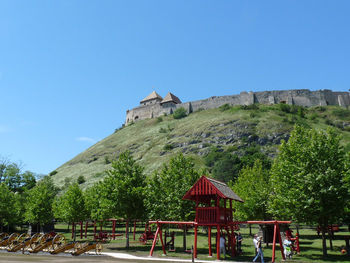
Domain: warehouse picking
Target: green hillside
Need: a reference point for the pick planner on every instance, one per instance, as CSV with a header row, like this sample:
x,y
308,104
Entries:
x,y
154,141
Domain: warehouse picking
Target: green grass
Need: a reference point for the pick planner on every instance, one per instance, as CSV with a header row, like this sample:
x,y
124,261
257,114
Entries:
x,y
310,245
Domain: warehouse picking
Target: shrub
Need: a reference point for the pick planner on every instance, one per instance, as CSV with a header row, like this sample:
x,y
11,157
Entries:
x,y
253,115
162,130
53,173
284,107
313,116
81,179
179,113
159,119
320,108
329,122
168,147
224,107
250,107
301,112
107,160
341,113
347,148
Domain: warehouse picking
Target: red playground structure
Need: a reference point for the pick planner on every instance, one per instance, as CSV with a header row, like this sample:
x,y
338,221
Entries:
x,y
212,199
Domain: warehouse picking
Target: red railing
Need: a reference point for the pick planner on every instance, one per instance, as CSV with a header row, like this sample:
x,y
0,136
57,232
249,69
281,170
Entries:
x,y
213,215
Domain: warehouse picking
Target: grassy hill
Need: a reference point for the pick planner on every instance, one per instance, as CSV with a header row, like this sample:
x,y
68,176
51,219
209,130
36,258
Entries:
x,y
154,141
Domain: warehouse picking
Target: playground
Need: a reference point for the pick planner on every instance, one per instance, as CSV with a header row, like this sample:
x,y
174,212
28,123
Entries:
x,y
191,240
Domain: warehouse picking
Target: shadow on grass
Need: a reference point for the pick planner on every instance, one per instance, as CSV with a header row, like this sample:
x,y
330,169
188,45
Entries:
x,y
329,258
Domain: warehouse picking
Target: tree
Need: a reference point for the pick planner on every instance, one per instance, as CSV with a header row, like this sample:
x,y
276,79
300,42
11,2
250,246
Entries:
x,y
39,202
70,207
125,185
253,186
12,176
7,206
227,168
308,179
166,189
224,165
97,202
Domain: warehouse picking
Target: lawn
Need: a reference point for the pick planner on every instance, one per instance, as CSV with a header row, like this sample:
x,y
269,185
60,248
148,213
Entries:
x,y
310,244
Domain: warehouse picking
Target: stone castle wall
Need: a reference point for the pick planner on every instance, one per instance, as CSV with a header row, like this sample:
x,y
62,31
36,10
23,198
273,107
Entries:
x,y
293,97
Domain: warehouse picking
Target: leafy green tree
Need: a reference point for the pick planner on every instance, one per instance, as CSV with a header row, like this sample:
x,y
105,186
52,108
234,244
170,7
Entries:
x,y
39,202
253,153
223,165
167,187
7,206
98,205
70,207
308,179
253,186
346,216
12,176
227,168
125,185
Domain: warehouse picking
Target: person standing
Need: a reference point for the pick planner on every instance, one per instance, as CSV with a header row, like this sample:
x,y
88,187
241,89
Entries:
x,y
239,243
222,245
257,243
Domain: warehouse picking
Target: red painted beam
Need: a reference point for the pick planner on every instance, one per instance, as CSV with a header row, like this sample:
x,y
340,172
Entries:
x,y
173,222
154,242
281,244
209,241
218,243
268,222
195,242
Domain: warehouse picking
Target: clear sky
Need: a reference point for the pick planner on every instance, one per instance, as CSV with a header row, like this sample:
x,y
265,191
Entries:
x,y
70,69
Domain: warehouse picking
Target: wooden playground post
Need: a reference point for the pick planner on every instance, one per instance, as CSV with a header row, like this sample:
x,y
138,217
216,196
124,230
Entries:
x,y
127,228
113,229
81,229
297,241
280,239
209,241
195,241
134,229
218,242
274,243
161,239
154,241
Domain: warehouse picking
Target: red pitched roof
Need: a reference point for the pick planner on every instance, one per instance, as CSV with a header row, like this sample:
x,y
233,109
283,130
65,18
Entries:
x,y
205,187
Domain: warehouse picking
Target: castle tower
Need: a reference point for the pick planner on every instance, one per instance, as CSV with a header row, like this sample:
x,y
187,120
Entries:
x,y
170,100
152,98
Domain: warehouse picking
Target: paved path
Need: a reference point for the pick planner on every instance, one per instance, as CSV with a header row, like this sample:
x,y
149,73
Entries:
x,y
105,257
156,259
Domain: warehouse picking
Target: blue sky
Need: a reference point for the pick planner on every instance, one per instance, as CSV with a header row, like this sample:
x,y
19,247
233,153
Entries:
x,y
69,69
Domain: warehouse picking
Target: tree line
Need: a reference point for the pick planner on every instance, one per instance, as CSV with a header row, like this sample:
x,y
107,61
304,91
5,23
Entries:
x,y
308,182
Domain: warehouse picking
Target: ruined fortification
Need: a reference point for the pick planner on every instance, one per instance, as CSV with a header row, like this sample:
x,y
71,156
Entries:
x,y
154,105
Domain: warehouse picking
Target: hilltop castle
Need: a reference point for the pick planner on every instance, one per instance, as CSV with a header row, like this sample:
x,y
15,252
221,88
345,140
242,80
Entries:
x,y
154,105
